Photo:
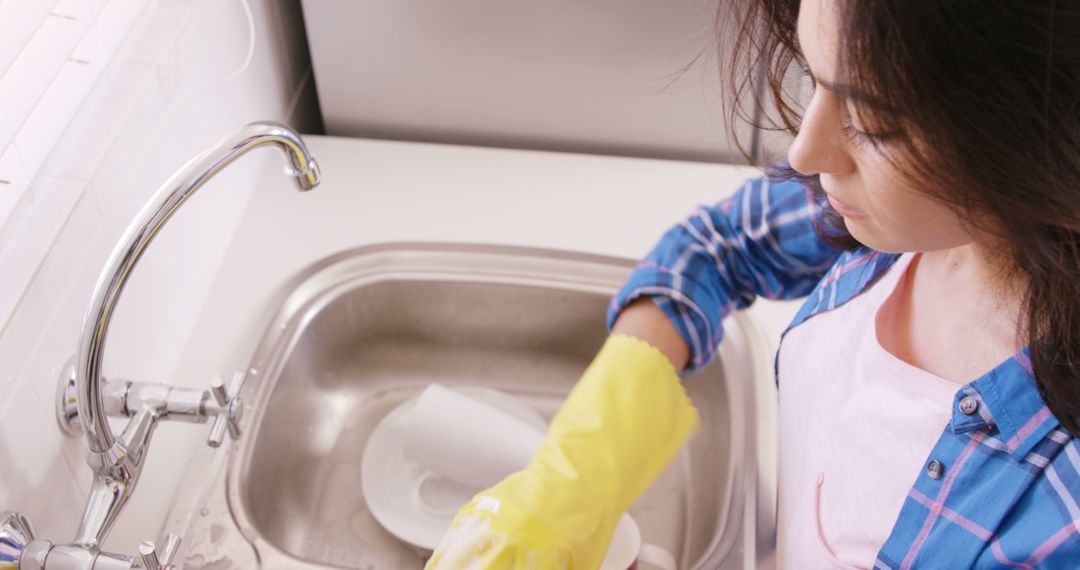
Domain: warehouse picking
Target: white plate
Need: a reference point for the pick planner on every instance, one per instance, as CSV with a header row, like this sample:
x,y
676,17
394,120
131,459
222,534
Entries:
x,y
392,486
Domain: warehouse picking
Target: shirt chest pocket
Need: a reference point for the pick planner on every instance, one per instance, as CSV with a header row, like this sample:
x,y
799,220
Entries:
x,y
822,536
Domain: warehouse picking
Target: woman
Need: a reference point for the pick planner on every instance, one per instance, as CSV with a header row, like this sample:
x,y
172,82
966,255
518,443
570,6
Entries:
x,y
930,386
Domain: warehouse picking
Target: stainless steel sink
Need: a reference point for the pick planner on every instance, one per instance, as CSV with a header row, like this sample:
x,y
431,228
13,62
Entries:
x,y
364,331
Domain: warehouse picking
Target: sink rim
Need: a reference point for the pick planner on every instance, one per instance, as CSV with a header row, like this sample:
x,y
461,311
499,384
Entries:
x,y
751,499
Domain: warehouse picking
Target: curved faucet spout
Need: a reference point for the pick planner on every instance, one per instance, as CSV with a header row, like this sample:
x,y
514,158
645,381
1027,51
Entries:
x,y
138,236
110,451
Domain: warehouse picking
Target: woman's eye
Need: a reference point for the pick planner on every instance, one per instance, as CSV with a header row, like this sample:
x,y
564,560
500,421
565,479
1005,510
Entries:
x,y
851,116
863,138
854,130
856,136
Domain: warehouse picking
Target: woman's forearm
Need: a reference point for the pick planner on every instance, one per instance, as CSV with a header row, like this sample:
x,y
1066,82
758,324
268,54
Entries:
x,y
644,320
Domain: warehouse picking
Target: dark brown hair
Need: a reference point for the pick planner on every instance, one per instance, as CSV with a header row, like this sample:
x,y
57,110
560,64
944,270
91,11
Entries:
x,y
982,98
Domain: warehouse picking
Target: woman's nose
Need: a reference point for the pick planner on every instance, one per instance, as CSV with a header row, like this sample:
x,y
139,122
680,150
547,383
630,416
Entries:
x,y
820,147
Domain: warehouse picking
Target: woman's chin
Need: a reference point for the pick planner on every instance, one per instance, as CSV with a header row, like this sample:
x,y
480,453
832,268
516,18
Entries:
x,y
865,233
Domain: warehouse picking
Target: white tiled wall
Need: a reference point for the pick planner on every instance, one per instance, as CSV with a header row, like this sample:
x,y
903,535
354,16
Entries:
x,y
45,80
173,88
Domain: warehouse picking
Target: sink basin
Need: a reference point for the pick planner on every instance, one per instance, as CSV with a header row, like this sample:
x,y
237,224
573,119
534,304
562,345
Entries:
x,y
365,330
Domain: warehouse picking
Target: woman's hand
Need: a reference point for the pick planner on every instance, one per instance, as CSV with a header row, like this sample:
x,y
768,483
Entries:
x,y
621,425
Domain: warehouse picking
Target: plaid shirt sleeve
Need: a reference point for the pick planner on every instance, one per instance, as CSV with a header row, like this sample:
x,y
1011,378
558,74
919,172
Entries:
x,y
761,241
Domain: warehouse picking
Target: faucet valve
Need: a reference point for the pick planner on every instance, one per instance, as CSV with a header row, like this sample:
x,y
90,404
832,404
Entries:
x,y
148,554
231,409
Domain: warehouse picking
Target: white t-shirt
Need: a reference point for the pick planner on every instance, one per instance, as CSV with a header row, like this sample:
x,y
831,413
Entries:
x,y
856,428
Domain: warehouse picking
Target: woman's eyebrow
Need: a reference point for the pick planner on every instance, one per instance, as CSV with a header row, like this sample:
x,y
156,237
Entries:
x,y
843,91
840,90
837,89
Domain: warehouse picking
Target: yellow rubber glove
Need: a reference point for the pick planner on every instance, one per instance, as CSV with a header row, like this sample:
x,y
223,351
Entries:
x,y
621,425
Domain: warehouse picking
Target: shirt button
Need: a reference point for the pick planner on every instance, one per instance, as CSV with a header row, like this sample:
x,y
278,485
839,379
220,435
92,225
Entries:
x,y
935,469
968,405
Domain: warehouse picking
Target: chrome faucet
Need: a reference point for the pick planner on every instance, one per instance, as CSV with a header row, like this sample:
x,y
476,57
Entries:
x,y
86,399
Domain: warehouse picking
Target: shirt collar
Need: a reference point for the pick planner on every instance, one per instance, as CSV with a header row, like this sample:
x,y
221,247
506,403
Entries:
x,y
853,272
1007,395
1009,400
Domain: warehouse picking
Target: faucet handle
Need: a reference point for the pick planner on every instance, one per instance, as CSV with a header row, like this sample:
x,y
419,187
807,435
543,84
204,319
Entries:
x,y
17,541
231,409
150,559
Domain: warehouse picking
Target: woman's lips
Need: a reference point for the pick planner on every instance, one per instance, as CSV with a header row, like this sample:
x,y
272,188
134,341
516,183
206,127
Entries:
x,y
843,209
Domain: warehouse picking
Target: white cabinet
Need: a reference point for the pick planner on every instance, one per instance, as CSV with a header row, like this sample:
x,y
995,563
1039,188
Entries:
x,y
602,76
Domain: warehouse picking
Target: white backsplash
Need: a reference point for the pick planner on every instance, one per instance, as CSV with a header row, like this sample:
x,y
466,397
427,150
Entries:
x,y
171,90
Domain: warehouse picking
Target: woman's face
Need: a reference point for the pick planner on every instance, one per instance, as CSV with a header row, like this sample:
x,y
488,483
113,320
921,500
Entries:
x,y
881,208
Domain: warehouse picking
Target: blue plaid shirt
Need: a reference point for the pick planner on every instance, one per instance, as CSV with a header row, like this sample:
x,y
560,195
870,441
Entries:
x,y
1005,491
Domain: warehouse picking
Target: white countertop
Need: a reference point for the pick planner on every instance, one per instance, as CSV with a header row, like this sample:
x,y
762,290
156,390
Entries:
x,y
381,191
